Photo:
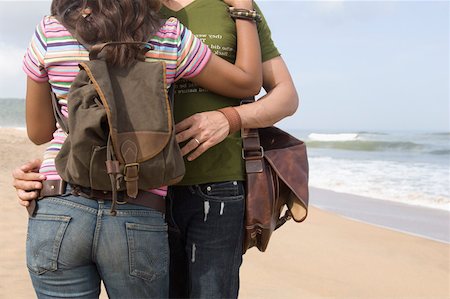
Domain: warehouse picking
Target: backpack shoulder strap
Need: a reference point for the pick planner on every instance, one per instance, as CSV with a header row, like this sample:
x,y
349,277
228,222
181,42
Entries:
x,y
60,118
171,94
96,49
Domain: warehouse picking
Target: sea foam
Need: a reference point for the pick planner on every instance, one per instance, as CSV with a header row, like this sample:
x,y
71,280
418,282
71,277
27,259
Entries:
x,y
412,168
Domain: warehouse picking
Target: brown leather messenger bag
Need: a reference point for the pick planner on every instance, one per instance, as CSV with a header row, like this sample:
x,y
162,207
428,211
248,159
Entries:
x,y
276,165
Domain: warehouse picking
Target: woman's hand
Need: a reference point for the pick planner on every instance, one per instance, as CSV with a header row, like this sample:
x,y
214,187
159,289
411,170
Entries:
x,y
245,4
203,130
27,182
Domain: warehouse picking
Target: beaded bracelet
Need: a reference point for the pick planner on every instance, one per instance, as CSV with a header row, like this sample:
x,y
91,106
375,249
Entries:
x,y
246,14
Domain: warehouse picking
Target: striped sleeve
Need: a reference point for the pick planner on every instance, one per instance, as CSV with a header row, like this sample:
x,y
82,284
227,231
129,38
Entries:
x,y
193,55
33,62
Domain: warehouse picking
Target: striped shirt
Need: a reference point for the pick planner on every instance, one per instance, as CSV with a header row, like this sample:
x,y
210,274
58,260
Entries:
x,y
54,54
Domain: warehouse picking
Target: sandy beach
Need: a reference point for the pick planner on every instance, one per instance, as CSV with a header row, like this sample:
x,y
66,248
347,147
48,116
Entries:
x,y
327,256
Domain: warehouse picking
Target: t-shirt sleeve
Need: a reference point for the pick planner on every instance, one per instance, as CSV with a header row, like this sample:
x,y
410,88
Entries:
x,y
33,61
268,48
193,54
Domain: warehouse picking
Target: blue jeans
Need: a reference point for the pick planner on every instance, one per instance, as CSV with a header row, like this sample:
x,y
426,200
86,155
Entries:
x,y
205,237
74,242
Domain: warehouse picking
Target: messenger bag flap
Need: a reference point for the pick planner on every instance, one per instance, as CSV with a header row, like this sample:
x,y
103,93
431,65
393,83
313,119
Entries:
x,y
287,157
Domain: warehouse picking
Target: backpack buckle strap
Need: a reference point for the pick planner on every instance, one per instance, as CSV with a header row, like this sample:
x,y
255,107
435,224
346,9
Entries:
x,y
128,166
129,151
131,172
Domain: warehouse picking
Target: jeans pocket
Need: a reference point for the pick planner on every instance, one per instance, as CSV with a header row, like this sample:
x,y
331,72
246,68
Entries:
x,y
44,237
148,250
222,191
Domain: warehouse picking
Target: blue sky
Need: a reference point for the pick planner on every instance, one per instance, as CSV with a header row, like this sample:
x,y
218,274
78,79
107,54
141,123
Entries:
x,y
358,65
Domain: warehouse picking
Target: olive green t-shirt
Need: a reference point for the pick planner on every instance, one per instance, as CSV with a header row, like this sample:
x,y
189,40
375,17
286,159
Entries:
x,y
210,21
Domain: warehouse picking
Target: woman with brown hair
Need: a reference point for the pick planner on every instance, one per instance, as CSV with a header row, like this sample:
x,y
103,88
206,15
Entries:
x,y
74,242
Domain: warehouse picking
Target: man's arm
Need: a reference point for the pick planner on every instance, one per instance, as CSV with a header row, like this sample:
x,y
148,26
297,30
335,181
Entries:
x,y
211,128
280,101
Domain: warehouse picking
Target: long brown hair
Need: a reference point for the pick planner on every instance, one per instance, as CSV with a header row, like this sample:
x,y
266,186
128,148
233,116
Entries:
x,y
111,20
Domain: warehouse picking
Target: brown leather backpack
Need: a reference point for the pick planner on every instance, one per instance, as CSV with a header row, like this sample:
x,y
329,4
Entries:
x,y
120,128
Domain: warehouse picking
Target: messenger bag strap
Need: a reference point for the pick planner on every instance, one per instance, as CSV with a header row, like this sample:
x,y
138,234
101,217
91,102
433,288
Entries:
x,y
252,151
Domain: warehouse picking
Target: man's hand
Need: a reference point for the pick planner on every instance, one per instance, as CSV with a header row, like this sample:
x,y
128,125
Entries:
x,y
27,181
204,130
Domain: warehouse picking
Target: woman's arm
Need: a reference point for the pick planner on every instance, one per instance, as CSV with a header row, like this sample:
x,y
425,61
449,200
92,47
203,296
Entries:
x,y
39,112
244,78
211,127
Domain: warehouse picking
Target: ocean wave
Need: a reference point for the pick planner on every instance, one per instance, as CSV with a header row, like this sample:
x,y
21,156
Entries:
x,y
372,133
444,152
366,145
333,137
12,113
445,134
